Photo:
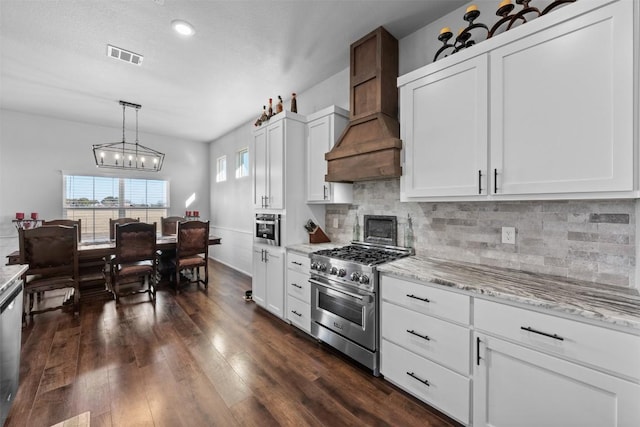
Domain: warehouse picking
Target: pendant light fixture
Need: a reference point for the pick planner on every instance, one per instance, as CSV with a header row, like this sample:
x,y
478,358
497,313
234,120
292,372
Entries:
x,y
125,155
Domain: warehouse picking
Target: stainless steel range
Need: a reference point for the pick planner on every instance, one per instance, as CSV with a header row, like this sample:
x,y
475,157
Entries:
x,y
344,291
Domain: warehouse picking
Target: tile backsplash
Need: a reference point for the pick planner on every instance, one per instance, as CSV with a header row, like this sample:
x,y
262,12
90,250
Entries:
x,y
592,240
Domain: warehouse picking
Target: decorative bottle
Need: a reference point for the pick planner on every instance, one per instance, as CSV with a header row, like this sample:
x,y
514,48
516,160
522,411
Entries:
x,y
356,230
408,233
294,103
279,106
264,117
270,114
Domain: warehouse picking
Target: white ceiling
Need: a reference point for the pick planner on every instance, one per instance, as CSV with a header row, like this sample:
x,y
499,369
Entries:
x,y
53,56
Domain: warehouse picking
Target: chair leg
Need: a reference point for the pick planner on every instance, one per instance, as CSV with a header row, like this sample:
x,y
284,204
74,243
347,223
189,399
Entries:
x,y
76,300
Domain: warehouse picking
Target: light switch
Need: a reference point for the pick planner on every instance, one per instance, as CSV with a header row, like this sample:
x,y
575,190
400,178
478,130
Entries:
x,y
335,223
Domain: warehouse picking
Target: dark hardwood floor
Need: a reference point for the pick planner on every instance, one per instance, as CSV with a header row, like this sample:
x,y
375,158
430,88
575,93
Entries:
x,y
196,359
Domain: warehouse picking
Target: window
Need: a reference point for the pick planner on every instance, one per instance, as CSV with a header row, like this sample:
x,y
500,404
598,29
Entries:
x,y
95,199
242,163
222,169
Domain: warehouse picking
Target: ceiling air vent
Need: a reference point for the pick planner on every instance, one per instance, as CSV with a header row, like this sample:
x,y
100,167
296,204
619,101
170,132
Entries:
x,y
124,55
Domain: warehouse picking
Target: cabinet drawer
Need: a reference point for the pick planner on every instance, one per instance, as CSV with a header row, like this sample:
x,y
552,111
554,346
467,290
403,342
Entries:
x,y
426,299
299,313
435,339
447,391
605,348
298,262
298,285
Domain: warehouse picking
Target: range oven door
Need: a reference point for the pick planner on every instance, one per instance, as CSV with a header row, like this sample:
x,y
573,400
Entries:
x,y
348,312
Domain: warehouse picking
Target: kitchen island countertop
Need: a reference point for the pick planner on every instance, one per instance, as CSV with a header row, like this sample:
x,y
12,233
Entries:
x,y
605,303
8,273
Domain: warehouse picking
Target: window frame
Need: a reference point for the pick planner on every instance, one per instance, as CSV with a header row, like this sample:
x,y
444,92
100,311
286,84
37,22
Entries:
x,y
221,160
95,218
240,165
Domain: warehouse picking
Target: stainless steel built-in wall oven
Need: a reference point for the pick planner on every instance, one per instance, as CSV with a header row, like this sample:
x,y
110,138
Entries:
x,y
267,229
344,292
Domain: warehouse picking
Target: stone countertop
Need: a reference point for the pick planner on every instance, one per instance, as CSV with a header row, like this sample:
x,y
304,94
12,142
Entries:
x,y
10,272
615,305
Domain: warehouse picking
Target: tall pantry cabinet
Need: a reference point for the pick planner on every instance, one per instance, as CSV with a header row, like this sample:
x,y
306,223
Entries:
x,y
278,188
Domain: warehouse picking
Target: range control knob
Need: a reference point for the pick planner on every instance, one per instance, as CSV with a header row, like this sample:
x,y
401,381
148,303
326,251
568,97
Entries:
x,y
364,279
314,265
342,272
355,276
333,270
322,267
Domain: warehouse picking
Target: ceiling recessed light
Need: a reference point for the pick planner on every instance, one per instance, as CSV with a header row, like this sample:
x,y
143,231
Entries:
x,y
183,27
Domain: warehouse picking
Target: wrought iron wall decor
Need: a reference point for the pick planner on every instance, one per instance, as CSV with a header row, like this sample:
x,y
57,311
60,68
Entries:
x,y
467,36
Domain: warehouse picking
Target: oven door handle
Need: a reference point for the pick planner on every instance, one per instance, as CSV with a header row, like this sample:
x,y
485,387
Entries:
x,y
265,222
363,298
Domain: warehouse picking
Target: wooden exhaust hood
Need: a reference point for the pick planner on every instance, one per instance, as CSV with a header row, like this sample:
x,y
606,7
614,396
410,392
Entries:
x,y
369,148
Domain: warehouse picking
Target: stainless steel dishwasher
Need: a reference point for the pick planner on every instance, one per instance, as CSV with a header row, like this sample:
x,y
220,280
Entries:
x,y
10,342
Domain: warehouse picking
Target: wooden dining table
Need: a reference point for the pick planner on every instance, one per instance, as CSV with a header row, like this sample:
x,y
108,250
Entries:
x,y
91,260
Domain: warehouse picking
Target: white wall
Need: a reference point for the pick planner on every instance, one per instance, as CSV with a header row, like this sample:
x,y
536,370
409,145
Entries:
x,y
231,207
35,149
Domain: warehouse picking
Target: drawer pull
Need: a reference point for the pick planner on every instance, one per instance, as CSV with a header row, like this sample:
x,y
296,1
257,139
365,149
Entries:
x,y
554,336
296,263
296,313
414,376
418,298
424,337
296,285
478,351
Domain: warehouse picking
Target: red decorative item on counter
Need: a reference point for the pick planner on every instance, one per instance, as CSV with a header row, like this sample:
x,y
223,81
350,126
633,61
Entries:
x,y
34,215
196,214
19,215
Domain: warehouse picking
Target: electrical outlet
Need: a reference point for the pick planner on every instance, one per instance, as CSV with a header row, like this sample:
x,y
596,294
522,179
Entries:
x,y
335,223
509,235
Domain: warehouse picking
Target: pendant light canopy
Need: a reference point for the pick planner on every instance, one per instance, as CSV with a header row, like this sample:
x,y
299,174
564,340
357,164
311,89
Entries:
x,y
126,155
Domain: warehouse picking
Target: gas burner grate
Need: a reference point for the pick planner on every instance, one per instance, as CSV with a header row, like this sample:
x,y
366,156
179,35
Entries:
x,y
362,254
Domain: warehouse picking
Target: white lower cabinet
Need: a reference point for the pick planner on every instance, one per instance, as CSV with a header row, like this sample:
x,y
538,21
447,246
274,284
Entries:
x,y
518,367
298,291
422,350
536,369
428,381
516,386
268,279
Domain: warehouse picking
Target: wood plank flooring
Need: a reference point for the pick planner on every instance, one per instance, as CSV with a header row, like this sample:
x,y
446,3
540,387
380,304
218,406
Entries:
x,y
196,359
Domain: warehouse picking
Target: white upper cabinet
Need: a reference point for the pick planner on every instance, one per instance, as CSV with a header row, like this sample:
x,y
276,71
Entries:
x,y
273,143
268,166
323,130
543,111
444,130
562,107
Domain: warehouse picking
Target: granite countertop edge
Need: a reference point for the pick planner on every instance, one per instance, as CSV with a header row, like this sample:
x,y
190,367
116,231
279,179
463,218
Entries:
x,y
603,303
8,273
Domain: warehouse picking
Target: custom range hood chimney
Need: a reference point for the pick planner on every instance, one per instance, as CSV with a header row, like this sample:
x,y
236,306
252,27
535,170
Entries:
x,y
369,148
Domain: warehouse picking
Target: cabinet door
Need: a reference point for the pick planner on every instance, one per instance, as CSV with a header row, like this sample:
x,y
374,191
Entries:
x,y
444,128
562,107
259,168
275,282
275,165
258,280
318,143
514,386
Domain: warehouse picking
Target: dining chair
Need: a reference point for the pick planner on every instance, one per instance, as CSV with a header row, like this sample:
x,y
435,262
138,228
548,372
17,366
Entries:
x,y
68,223
169,225
52,255
135,258
120,221
192,251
